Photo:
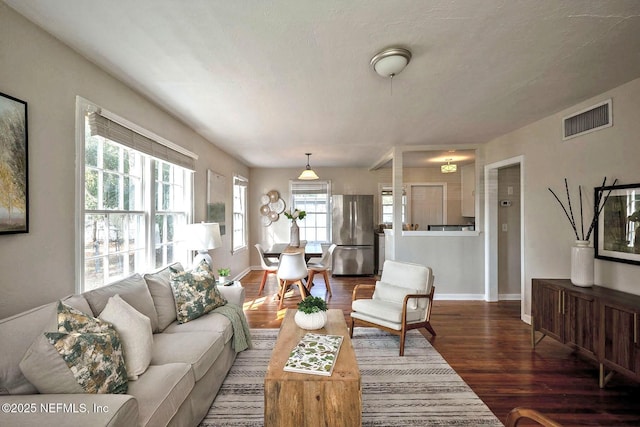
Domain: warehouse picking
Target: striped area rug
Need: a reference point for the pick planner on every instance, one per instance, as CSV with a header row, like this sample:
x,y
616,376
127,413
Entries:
x,y
419,389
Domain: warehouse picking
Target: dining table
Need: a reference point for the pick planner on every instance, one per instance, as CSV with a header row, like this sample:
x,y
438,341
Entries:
x,y
310,250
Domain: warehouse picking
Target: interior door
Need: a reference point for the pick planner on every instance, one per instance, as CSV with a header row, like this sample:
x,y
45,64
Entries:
x,y
427,205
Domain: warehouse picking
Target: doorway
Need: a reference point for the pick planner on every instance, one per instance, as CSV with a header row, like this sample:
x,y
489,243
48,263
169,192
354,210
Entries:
x,y
493,229
509,267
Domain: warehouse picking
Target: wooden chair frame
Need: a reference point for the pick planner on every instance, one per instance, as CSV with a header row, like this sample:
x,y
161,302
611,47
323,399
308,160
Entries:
x,y
405,326
518,414
284,286
325,275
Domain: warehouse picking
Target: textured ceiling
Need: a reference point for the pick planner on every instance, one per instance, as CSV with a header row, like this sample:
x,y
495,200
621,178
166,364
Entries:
x,y
268,81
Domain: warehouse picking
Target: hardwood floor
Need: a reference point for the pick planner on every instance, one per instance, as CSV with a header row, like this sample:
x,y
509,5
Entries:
x,y
490,348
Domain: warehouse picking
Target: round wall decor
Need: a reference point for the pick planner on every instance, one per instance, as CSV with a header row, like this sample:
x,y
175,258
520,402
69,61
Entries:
x,y
271,207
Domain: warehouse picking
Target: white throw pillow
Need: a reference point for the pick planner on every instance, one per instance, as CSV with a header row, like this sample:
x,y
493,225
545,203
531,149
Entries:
x,y
135,333
392,293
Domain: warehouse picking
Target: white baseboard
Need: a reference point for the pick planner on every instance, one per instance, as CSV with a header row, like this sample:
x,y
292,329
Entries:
x,y
459,297
475,297
509,297
244,273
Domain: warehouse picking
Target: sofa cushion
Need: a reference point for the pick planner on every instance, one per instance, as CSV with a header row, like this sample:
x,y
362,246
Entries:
x,y
212,322
90,352
161,391
195,292
198,349
135,333
76,362
391,293
159,284
133,290
78,302
45,368
17,334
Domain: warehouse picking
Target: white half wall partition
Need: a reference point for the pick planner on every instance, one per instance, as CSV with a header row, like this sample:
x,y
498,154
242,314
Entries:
x,y
457,261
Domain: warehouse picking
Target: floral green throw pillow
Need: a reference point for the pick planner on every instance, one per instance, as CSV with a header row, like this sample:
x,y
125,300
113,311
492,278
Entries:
x,y
84,356
95,359
72,320
195,292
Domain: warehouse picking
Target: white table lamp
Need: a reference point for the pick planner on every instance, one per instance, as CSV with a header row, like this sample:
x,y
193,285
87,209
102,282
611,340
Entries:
x,y
203,237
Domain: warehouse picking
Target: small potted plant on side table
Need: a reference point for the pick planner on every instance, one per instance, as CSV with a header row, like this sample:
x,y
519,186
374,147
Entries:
x,y
312,313
223,275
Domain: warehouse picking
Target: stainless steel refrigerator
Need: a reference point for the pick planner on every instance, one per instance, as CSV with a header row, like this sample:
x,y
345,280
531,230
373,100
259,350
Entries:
x,y
352,232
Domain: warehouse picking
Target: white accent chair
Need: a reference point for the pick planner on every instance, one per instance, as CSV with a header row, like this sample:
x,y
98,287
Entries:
x,y
292,270
269,265
321,266
401,301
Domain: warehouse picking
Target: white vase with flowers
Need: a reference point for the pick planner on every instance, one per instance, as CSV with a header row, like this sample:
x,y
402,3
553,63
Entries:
x,y
294,233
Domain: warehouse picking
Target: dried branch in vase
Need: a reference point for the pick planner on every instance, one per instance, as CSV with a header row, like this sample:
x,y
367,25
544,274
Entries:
x,y
598,205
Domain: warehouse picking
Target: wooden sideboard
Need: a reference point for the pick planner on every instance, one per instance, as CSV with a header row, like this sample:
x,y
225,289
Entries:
x,y
600,323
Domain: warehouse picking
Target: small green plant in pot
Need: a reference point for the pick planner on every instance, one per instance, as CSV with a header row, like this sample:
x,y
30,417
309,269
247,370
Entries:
x,y
312,313
223,274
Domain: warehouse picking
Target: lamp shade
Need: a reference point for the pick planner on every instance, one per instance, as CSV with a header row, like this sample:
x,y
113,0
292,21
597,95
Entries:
x,y
203,236
308,174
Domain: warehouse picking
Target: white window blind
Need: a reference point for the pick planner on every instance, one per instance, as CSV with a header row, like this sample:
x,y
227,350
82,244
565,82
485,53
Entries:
x,y
107,128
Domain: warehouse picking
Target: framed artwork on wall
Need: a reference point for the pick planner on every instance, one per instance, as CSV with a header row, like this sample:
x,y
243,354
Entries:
x,y
216,197
617,229
14,194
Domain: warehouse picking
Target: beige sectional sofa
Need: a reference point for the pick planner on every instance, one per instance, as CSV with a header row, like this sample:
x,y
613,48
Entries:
x,y
189,362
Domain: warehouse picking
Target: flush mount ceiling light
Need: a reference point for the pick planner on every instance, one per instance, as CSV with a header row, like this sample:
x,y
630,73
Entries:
x,y
448,168
390,62
308,174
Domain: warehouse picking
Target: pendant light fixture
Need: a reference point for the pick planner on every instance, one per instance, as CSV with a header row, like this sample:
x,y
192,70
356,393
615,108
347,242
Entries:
x,y
448,168
308,174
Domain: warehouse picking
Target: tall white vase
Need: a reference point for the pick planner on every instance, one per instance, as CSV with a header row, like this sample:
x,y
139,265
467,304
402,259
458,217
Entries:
x,y
582,259
294,237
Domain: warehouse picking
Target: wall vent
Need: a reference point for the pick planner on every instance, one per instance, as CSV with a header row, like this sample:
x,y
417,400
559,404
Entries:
x,y
593,118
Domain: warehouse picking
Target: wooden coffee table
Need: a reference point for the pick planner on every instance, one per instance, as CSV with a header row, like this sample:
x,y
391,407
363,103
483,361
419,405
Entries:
x,y
293,399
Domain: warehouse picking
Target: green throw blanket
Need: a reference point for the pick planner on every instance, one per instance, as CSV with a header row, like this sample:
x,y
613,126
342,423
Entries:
x,y
241,333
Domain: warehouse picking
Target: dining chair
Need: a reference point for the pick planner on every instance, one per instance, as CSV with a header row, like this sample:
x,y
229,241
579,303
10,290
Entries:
x,y
322,266
269,265
318,259
292,270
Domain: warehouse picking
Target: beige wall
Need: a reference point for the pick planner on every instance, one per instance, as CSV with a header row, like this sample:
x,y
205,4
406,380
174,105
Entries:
x,y
585,160
38,267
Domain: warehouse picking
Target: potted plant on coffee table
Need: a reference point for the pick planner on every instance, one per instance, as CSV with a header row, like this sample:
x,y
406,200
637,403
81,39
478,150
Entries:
x,y
312,313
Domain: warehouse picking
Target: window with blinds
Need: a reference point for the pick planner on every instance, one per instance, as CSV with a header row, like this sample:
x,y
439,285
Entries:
x,y
137,194
313,198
